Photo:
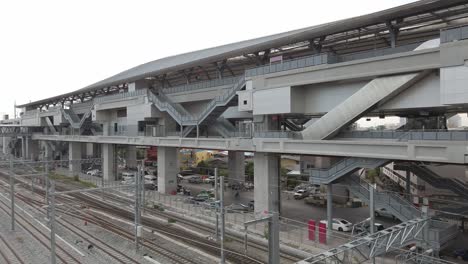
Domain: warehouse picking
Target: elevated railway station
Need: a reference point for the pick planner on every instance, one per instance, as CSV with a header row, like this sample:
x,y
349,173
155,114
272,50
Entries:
x,y
299,92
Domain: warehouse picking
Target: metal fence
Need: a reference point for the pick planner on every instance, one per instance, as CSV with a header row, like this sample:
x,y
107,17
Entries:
x,y
201,85
292,232
454,33
457,135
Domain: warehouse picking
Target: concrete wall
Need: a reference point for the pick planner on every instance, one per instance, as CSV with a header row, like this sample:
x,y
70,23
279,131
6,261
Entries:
x,y
272,101
454,84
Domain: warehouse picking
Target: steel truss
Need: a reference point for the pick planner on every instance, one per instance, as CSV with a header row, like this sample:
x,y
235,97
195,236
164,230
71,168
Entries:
x,y
10,131
373,245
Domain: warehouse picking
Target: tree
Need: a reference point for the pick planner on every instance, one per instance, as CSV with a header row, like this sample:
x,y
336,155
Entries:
x,y
249,170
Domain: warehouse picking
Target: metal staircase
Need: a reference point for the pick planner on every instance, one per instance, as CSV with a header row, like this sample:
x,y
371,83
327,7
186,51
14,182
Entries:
x,y
439,233
344,167
209,114
224,127
291,125
364,248
376,91
74,120
51,126
438,181
400,207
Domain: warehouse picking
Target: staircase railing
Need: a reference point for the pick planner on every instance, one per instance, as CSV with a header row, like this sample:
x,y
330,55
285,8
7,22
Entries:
x,y
183,117
342,167
400,205
169,108
221,99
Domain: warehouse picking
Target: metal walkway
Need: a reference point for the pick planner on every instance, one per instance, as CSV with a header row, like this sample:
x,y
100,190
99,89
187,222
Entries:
x,y
342,168
373,245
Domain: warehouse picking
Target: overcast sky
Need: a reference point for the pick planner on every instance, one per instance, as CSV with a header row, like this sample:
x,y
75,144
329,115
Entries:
x,y
53,47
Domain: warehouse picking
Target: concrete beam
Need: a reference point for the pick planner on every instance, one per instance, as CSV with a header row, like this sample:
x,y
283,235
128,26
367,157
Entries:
x,y
413,150
399,63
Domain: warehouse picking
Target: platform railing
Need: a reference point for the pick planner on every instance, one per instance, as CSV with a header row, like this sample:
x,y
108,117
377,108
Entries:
x,y
201,85
401,135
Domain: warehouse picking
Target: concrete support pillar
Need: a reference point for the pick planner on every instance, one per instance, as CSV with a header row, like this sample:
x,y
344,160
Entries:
x,y
33,146
108,162
131,158
266,183
106,126
23,148
89,150
329,209
236,167
47,151
167,169
74,155
6,143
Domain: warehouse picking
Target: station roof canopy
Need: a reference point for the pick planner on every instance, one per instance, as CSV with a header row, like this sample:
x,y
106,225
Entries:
x,y
177,63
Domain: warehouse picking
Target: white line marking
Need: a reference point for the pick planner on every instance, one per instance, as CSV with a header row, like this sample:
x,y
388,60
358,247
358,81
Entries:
x,y
46,228
150,259
163,236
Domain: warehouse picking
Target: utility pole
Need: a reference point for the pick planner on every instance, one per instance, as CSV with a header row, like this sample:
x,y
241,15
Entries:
x,y
273,239
52,223
47,188
143,186
372,211
216,199
221,205
12,194
137,209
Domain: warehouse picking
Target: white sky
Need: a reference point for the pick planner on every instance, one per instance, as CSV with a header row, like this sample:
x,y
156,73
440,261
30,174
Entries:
x,y
53,47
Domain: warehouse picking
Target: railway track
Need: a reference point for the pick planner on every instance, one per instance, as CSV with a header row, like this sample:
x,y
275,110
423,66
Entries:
x,y
8,253
206,245
112,252
186,222
62,255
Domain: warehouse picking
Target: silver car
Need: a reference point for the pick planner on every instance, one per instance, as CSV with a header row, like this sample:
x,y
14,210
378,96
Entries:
x,y
384,213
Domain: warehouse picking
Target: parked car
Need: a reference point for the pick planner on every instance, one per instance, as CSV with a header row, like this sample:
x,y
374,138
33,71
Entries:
x,y
210,204
202,197
195,179
233,208
461,253
209,179
128,181
384,213
339,224
251,205
127,175
151,186
299,194
94,172
365,228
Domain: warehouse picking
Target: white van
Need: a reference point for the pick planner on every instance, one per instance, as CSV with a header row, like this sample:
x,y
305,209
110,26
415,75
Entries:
x,y
127,175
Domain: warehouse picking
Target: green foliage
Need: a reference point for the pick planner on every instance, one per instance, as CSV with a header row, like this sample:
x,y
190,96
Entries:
x,y
249,170
372,174
223,172
63,178
171,220
202,164
293,182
